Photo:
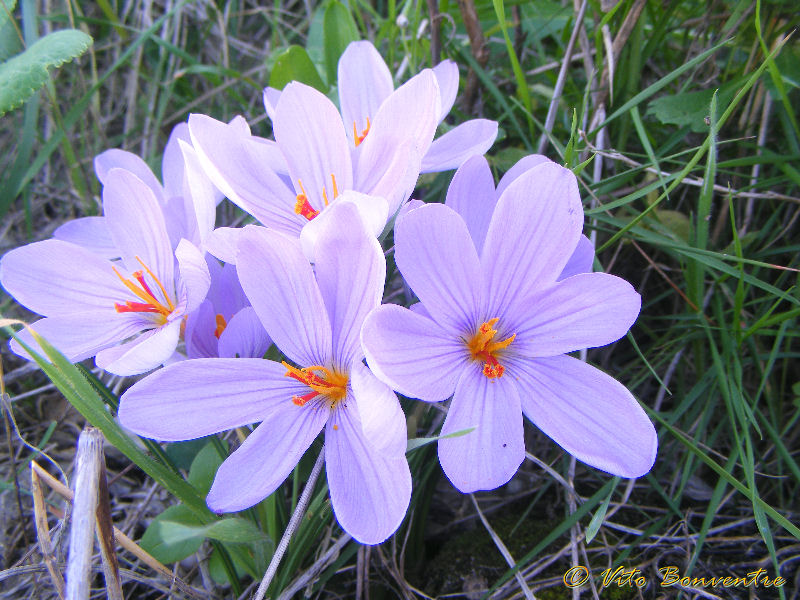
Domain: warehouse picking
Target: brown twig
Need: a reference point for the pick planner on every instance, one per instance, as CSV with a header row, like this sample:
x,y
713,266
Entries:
x,y
436,42
480,52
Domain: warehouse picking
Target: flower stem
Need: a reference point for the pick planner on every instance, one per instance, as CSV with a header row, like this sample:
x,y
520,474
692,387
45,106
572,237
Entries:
x,y
299,510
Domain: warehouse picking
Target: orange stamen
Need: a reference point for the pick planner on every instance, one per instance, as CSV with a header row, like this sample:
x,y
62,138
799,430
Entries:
x,y
331,384
303,207
150,303
221,325
483,348
358,138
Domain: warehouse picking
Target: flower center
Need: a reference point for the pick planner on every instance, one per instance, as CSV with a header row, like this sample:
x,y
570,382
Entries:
x,y
359,137
303,207
330,384
221,325
484,349
151,303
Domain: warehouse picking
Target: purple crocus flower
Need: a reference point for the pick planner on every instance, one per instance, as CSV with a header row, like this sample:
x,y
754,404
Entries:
x,y
187,198
365,84
494,331
288,184
314,317
225,324
91,304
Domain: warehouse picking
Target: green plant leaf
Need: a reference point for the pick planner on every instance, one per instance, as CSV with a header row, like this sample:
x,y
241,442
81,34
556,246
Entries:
x,y
23,75
6,10
415,443
339,29
204,467
294,64
172,536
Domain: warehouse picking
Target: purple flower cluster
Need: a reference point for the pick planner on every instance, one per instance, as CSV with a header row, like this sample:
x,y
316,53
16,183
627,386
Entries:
x,y
503,277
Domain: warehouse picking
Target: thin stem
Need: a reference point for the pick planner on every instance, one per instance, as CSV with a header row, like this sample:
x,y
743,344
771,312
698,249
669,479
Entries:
x,y
297,515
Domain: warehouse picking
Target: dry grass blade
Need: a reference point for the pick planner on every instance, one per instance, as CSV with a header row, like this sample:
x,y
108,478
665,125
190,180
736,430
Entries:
x,y
105,537
43,533
81,535
120,538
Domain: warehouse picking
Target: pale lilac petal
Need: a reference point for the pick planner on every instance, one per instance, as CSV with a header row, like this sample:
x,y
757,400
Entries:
x,y
364,82
238,124
195,398
199,333
79,336
582,259
55,278
271,97
136,223
266,457
447,77
450,151
408,207
172,168
371,210
370,489
410,112
351,271
226,292
310,134
195,278
437,258
244,336
534,230
146,352
280,285
178,220
584,311
412,353
589,414
201,198
487,457
121,159
242,169
471,195
222,243
526,163
382,420
389,169
90,233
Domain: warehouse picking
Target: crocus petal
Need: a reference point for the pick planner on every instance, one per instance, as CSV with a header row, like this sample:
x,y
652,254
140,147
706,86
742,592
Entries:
x,y
534,230
437,258
447,77
487,457
372,211
244,336
199,332
450,151
388,169
201,197
411,111
136,223
471,195
271,97
412,353
195,277
90,233
370,490
266,457
582,259
364,83
195,398
223,242
310,134
226,292
526,163
242,169
121,159
172,162
52,277
589,414
382,420
583,311
351,270
280,285
146,352
408,207
78,336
